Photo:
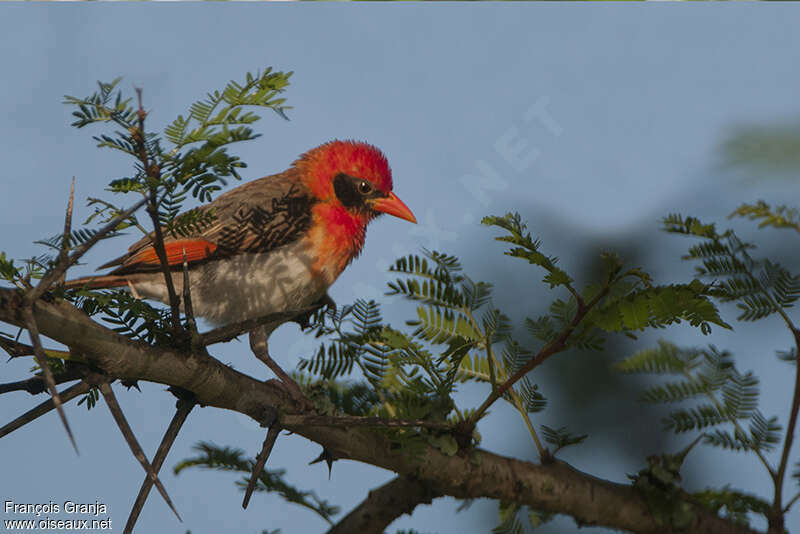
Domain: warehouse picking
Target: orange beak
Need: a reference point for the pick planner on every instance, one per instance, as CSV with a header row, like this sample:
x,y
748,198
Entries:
x,y
394,206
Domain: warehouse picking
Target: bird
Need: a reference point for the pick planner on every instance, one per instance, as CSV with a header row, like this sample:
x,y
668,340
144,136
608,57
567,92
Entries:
x,y
274,244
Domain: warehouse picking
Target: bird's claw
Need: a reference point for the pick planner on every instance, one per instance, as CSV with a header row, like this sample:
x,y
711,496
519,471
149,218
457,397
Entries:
x,y
327,302
304,319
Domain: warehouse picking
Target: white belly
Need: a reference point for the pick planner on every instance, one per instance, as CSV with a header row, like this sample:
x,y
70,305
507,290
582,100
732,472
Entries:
x,y
244,286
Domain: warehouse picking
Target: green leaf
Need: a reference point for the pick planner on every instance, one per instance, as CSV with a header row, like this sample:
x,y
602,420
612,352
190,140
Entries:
x,y
446,443
561,437
218,458
732,505
527,248
780,216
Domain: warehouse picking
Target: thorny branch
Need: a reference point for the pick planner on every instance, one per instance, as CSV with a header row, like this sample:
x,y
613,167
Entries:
x,y
58,271
45,407
472,473
130,438
37,384
153,174
47,373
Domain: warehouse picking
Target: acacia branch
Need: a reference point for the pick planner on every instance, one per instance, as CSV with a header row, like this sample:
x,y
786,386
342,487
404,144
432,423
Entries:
x,y
554,347
65,239
357,421
58,271
15,349
385,504
776,520
133,443
37,384
471,473
43,408
153,176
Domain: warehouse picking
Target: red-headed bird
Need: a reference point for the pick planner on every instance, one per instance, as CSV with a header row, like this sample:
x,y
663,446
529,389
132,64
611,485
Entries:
x,y
275,244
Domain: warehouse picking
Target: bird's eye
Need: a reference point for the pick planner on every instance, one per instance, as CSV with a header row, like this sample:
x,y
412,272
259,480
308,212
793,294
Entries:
x,y
364,187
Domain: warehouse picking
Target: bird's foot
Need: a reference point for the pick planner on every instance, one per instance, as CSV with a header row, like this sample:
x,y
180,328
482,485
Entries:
x,y
304,320
259,346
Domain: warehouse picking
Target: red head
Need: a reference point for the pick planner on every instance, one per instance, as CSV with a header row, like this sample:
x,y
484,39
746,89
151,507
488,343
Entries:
x,y
352,184
353,174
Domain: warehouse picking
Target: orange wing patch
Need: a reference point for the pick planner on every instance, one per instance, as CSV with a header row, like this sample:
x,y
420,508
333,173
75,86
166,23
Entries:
x,y
196,250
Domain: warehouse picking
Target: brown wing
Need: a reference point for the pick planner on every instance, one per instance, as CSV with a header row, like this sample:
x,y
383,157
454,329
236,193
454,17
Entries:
x,y
258,216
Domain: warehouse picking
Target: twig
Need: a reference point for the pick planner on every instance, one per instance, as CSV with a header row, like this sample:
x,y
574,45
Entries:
x,y
184,407
130,438
491,359
228,332
790,429
555,487
152,172
188,309
41,359
43,408
195,341
261,460
15,349
548,350
37,384
791,502
65,240
732,419
62,267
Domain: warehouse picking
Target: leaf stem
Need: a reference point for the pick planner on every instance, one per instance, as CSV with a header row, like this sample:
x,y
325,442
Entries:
x,y
555,346
790,427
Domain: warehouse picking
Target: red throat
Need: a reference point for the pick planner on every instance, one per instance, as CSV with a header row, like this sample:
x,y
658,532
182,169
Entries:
x,y
336,234
335,239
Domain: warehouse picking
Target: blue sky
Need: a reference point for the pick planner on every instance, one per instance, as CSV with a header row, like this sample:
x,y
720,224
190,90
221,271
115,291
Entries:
x,y
595,118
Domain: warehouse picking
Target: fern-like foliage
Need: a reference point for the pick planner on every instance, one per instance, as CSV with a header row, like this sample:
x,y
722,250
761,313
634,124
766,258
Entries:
x,y
725,397
780,216
560,437
199,162
211,456
199,158
400,369
528,248
10,272
103,106
731,504
90,399
127,315
658,307
76,239
759,288
458,335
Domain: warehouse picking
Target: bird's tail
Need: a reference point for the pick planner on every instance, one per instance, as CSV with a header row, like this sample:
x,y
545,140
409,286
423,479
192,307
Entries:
x,y
97,282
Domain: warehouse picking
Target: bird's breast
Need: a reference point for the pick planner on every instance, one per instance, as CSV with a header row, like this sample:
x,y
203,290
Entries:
x,y
248,285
